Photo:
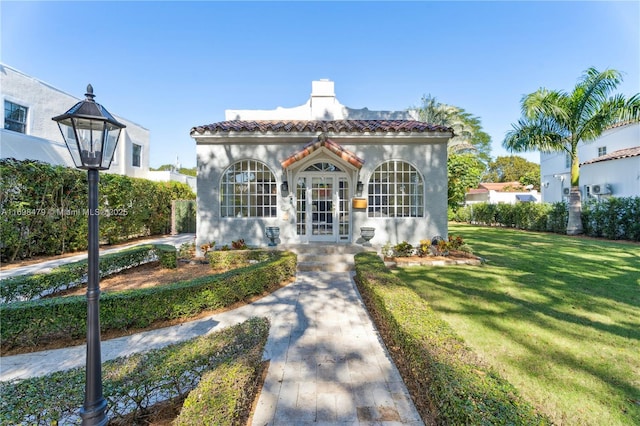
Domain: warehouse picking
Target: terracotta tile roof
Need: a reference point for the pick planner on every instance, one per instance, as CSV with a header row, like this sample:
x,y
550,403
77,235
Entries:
x,y
501,186
616,155
334,126
622,124
332,146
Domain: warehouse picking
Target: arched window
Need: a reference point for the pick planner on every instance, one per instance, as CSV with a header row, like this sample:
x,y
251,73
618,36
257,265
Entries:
x,y
396,189
248,189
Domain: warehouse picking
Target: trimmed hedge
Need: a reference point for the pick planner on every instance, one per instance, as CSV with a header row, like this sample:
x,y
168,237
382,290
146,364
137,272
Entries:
x,y
44,208
36,322
611,218
132,385
225,260
447,381
224,394
33,286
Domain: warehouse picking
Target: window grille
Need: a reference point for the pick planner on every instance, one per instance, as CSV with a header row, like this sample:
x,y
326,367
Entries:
x,y
248,189
396,189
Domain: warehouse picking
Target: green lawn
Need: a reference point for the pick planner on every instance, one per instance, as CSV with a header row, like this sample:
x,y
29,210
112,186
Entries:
x,y
559,317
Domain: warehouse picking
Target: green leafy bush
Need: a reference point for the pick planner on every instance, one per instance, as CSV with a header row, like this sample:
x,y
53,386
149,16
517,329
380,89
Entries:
x,y
225,260
131,385
403,249
167,255
448,383
44,208
612,218
31,323
32,286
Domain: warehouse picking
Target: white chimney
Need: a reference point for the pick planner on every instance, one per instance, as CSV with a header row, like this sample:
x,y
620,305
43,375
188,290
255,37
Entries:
x,y
324,105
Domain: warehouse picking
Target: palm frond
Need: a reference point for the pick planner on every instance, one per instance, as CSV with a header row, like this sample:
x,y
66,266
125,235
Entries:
x,y
590,93
541,134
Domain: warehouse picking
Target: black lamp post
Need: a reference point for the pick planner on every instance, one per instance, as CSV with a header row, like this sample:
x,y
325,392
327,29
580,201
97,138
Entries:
x,y
91,134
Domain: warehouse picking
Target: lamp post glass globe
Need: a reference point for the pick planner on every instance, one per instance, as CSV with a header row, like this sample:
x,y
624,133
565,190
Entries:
x,y
90,132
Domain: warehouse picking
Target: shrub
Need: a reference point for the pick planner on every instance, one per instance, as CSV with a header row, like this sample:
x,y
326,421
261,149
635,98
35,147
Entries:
x,y
403,249
44,208
225,260
132,384
239,245
32,286
446,380
37,322
612,218
167,256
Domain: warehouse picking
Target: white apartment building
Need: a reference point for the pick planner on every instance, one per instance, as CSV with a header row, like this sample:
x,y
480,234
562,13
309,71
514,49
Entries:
x,y
27,131
609,167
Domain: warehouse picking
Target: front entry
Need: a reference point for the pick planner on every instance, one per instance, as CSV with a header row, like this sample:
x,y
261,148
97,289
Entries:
x,y
322,210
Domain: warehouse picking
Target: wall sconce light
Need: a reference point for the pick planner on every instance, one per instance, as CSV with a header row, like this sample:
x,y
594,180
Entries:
x,y
359,188
284,187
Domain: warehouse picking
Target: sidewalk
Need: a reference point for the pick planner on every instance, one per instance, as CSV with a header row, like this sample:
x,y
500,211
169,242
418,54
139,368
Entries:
x,y
175,240
327,362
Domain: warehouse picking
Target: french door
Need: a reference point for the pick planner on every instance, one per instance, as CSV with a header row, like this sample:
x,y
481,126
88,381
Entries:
x,y
322,207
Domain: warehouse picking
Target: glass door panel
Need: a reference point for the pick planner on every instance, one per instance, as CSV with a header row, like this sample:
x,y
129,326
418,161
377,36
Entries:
x,y
322,211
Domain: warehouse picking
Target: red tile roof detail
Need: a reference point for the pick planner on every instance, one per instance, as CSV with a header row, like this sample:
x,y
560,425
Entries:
x,y
616,155
501,186
332,146
333,126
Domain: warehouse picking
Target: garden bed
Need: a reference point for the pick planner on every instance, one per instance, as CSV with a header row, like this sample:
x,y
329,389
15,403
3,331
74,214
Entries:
x,y
453,258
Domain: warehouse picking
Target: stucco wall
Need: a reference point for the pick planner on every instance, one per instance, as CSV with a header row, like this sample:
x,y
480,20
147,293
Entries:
x,y
428,158
614,139
42,140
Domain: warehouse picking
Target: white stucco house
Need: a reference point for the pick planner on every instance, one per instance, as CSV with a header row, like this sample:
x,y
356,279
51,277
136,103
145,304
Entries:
x,y
609,167
319,172
502,192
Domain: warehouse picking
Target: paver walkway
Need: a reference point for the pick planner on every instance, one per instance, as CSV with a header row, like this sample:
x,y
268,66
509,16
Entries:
x,y
175,240
327,363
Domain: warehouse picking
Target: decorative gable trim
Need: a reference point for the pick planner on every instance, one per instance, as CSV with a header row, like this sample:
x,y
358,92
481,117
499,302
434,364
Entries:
x,y
330,145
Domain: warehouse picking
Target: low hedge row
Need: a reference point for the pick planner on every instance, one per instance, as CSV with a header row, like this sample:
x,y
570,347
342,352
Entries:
x,y
447,381
33,286
225,260
612,218
36,322
132,385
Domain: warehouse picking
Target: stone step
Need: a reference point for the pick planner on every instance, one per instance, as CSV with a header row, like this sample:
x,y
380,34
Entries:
x,y
325,257
323,248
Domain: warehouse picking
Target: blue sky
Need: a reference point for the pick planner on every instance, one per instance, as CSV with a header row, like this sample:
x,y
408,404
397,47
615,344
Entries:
x,y
169,66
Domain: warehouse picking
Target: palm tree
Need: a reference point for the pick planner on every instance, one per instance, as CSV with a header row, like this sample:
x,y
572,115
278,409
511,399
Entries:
x,y
555,121
467,129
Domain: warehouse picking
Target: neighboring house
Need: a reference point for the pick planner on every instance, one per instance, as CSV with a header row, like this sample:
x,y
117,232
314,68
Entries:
x,y
610,166
29,133
173,175
320,172
503,192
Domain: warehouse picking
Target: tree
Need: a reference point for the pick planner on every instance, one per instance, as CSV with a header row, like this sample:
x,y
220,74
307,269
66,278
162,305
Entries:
x,y
554,120
469,149
184,170
464,171
469,136
513,168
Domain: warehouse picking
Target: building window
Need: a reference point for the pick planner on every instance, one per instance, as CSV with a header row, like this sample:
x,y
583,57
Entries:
x,y
137,154
602,150
567,161
248,189
396,189
15,117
